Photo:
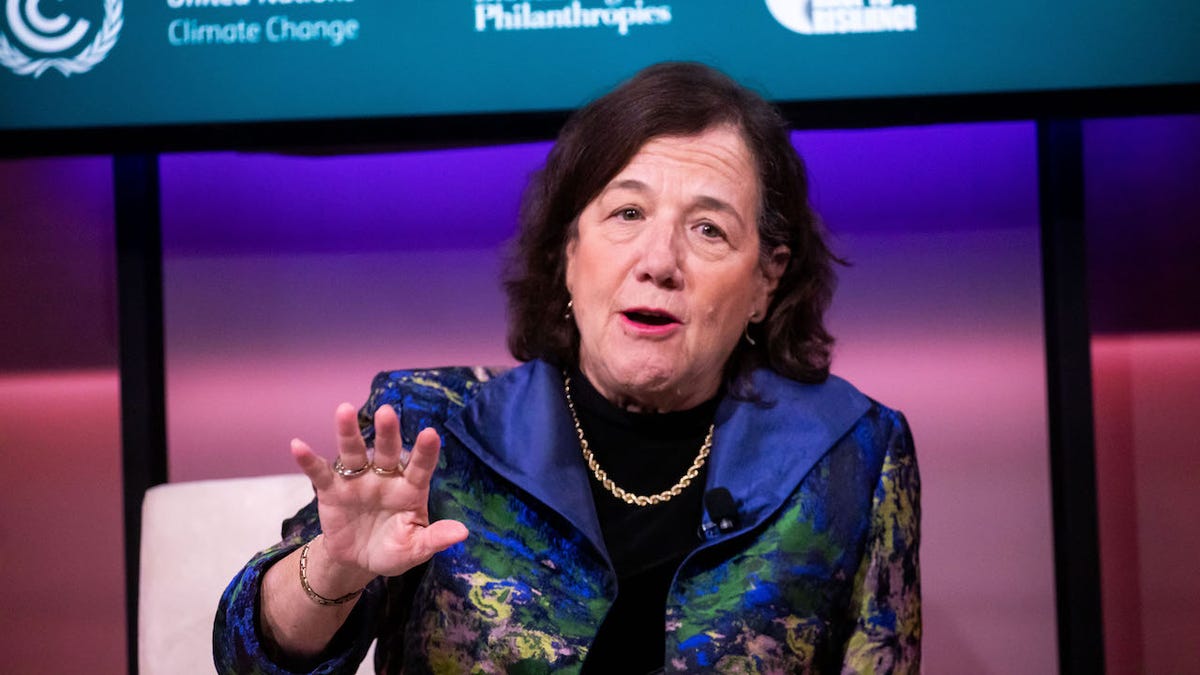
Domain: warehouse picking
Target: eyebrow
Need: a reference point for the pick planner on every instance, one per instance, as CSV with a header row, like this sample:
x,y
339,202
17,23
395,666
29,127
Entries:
x,y
703,202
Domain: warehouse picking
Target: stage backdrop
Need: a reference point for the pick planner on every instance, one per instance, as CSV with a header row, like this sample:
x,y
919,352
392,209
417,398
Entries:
x,y
915,209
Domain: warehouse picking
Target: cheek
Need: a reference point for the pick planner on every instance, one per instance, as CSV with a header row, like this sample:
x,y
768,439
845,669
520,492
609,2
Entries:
x,y
727,310
595,274
721,319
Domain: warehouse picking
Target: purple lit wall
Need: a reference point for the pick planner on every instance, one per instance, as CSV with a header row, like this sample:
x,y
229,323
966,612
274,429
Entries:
x,y
302,277
1143,223
941,316
291,280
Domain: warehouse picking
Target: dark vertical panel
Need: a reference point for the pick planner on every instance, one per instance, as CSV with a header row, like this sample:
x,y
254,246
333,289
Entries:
x,y
140,316
1143,224
1069,392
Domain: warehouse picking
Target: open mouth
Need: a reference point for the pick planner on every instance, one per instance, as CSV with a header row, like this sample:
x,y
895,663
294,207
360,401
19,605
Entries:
x,y
650,317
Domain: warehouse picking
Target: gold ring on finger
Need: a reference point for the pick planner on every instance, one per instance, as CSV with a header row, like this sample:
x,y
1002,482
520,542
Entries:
x,y
341,470
380,471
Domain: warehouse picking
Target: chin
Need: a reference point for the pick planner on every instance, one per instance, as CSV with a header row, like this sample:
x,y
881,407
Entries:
x,y
654,375
651,382
641,379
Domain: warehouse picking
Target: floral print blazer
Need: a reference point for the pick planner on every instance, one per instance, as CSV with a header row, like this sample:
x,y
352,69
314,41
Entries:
x,y
820,576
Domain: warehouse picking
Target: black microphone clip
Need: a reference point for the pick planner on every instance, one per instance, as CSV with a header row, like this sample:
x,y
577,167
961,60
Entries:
x,y
722,513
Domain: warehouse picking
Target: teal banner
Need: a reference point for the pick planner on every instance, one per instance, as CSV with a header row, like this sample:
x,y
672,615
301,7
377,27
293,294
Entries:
x,y
94,63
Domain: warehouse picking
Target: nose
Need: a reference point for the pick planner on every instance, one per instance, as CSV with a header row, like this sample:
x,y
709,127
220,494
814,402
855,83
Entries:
x,y
659,260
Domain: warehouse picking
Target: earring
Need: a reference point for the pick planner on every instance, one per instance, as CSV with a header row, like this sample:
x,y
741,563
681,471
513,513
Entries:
x,y
746,331
567,314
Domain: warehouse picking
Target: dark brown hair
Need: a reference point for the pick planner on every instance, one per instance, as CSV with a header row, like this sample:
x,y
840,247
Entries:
x,y
673,99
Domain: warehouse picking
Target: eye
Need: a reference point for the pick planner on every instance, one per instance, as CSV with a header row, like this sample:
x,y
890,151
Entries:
x,y
710,231
628,213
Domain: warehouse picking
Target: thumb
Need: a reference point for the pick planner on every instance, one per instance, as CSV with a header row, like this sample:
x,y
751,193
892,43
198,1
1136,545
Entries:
x,y
441,535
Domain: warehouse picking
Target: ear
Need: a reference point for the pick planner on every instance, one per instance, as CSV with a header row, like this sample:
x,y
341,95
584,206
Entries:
x,y
772,271
572,244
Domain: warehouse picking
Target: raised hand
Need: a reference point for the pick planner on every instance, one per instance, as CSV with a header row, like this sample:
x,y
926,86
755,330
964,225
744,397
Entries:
x,y
373,523
377,522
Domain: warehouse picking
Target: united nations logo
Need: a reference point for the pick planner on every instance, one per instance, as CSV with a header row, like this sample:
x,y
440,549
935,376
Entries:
x,y
71,44
795,15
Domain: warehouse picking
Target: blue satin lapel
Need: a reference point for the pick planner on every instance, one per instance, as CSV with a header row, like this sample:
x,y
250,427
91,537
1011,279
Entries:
x,y
519,425
762,451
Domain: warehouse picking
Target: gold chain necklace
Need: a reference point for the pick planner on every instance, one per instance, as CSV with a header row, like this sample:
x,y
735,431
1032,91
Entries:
x,y
629,497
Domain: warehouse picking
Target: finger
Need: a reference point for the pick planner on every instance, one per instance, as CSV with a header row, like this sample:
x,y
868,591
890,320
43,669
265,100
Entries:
x,y
351,448
439,536
424,457
314,467
387,438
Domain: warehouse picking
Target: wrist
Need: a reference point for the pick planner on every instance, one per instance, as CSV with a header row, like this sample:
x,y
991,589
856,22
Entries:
x,y
325,580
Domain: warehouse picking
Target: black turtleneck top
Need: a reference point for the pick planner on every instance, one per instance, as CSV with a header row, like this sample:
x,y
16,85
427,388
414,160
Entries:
x,y
643,453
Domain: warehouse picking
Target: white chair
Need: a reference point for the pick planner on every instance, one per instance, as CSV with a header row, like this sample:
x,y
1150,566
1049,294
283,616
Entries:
x,y
195,537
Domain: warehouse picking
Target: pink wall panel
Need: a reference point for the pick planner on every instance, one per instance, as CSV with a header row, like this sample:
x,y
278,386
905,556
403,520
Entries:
x,y
1147,394
62,555
262,349
972,388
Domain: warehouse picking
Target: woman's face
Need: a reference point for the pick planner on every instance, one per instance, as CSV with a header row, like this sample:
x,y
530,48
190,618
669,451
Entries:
x,y
664,271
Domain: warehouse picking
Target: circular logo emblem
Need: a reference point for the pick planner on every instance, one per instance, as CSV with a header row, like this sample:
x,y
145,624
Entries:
x,y
795,15
39,42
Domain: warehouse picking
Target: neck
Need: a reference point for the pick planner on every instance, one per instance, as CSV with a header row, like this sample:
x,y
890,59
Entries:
x,y
648,400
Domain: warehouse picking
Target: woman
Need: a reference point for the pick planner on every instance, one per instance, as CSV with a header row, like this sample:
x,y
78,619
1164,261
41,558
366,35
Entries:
x,y
672,480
